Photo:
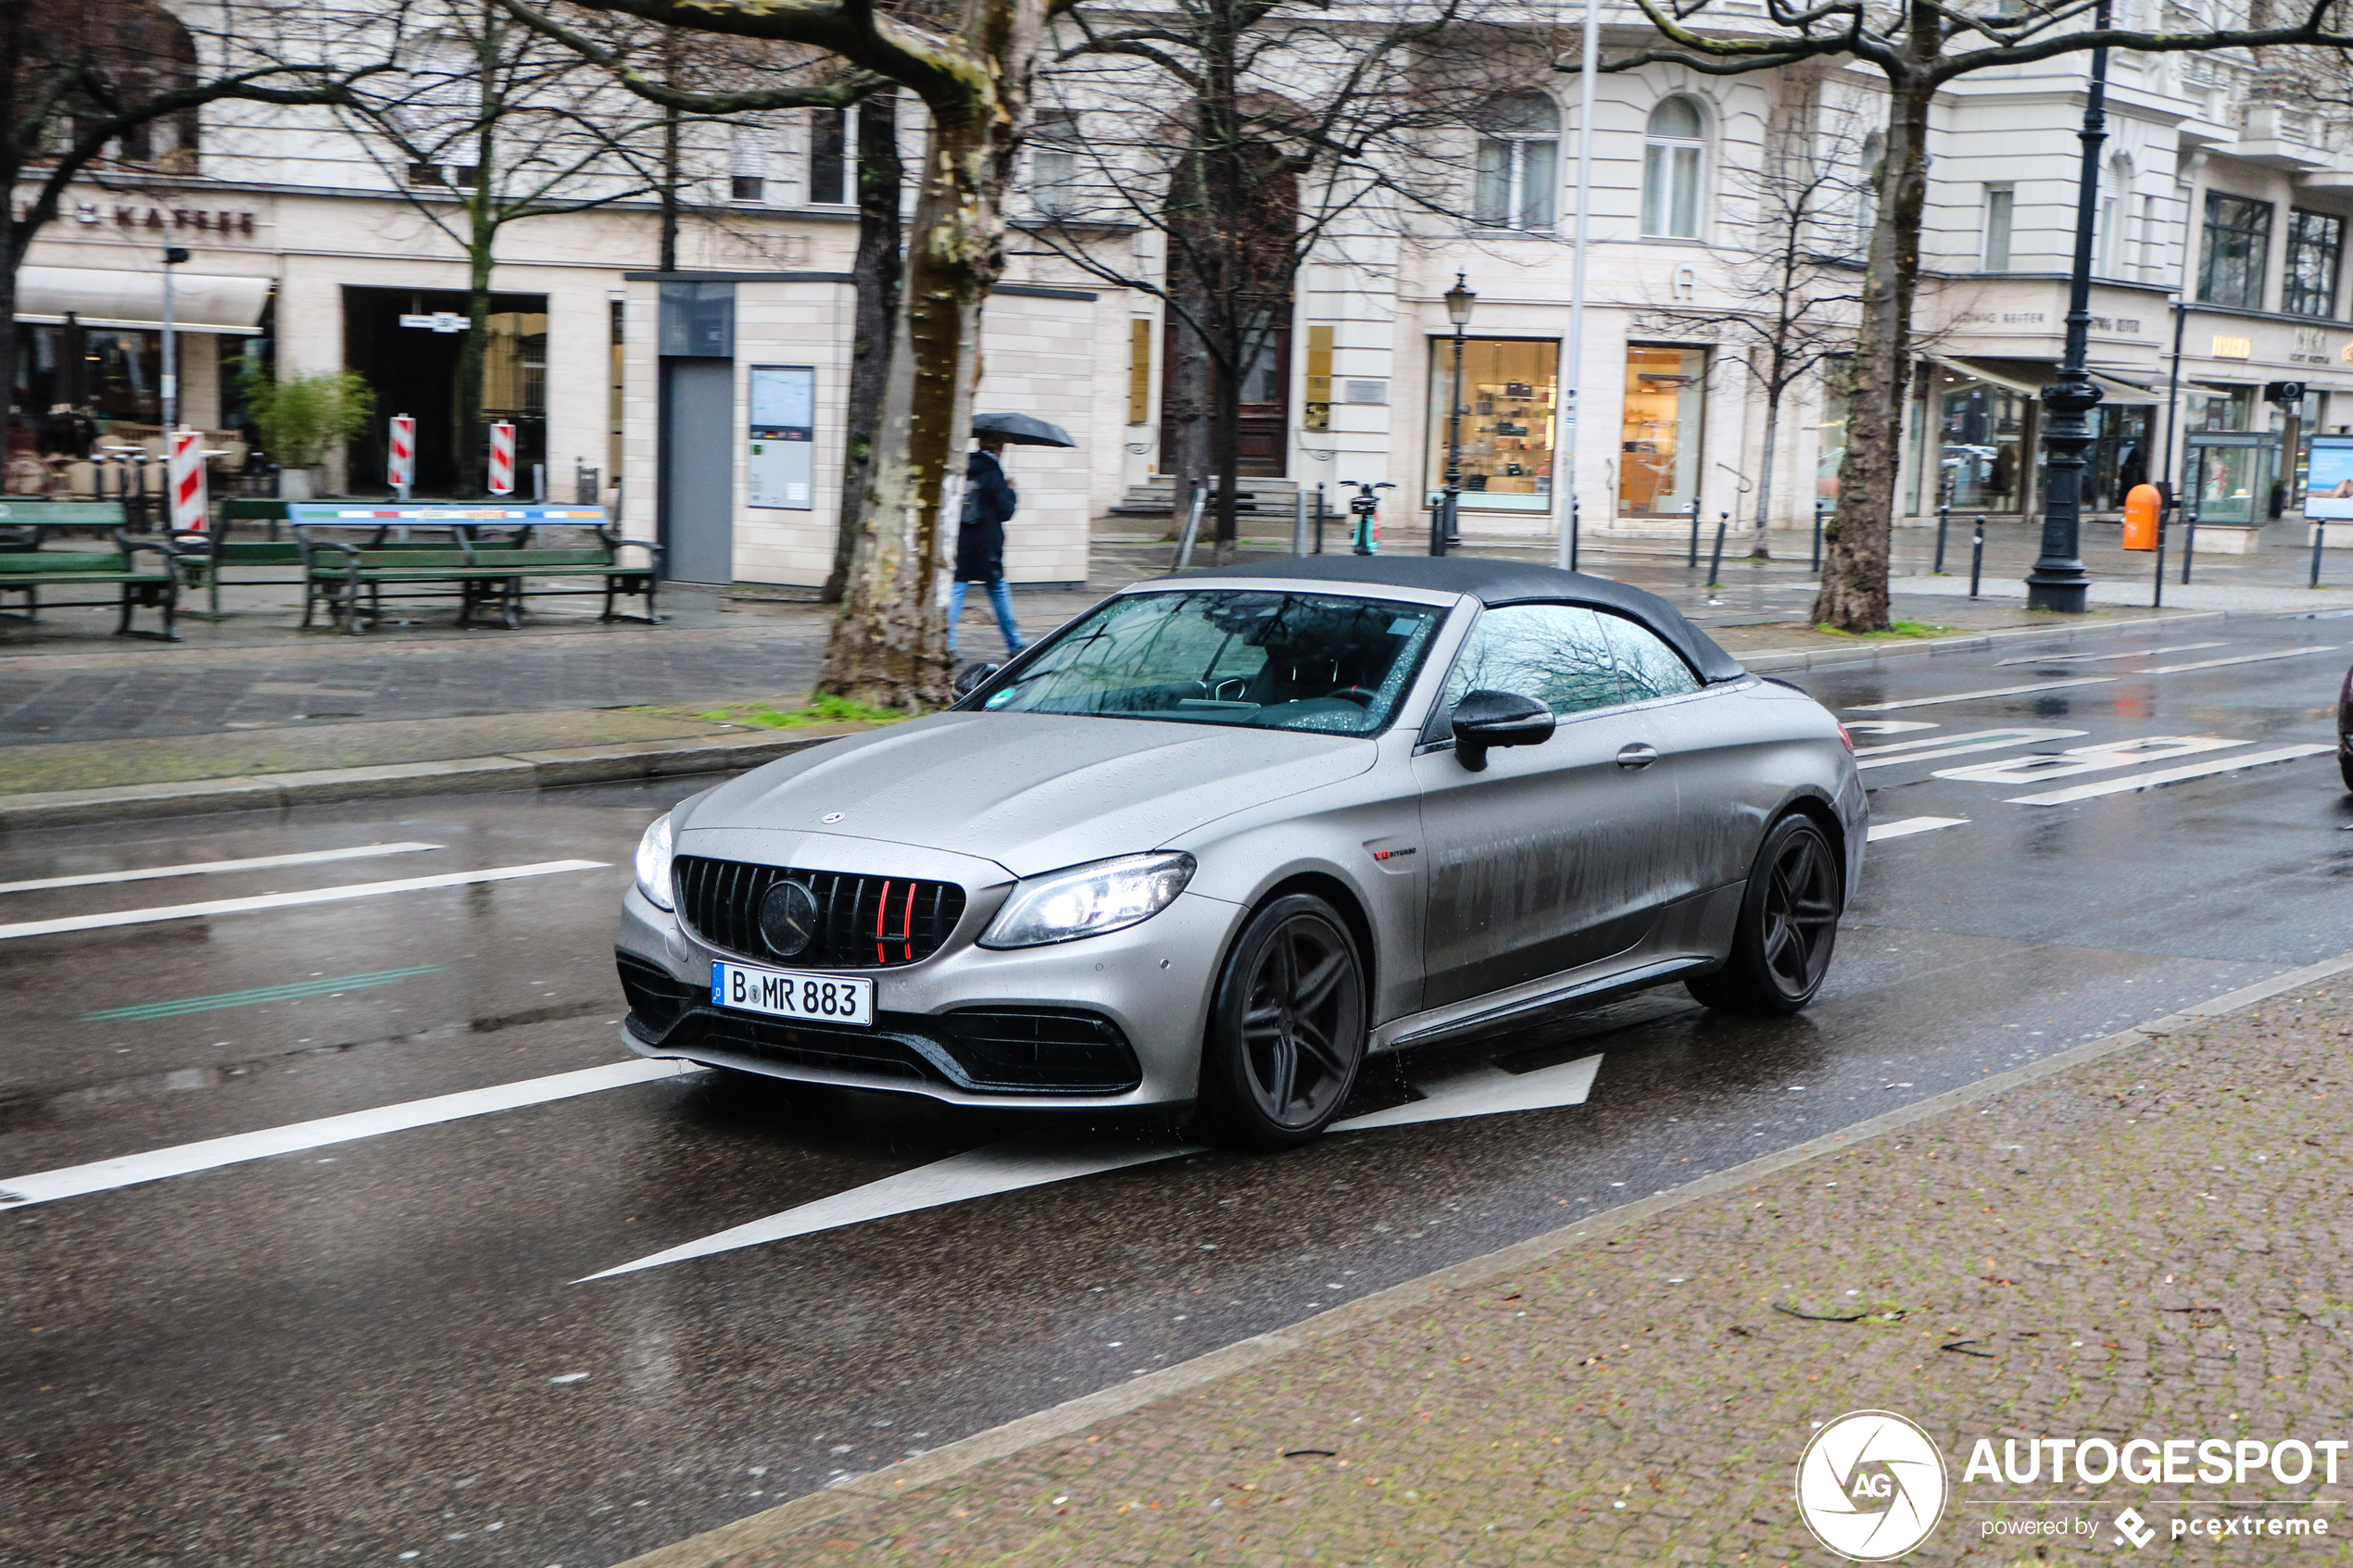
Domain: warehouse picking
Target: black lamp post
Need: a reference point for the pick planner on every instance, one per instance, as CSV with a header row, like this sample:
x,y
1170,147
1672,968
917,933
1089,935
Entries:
x,y
1459,301
2059,581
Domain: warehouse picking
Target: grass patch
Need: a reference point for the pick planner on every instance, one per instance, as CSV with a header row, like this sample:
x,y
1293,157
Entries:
x,y
821,710
1898,629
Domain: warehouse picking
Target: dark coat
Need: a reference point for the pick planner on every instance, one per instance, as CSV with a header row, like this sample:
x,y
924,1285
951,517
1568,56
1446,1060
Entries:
x,y
991,500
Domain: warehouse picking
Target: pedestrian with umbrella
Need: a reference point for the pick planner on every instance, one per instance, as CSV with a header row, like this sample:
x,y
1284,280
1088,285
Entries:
x,y
989,503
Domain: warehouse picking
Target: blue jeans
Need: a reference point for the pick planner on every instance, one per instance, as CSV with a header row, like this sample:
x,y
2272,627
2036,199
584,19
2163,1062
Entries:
x,y
1000,599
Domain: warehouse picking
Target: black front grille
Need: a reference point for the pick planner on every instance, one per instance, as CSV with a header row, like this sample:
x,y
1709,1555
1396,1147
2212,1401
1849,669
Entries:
x,y
863,922
1041,1049
655,998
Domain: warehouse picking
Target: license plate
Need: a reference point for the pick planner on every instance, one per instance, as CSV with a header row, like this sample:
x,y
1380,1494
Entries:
x,y
821,998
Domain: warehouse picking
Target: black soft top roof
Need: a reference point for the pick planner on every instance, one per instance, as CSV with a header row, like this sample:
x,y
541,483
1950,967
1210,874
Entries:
x,y
1492,583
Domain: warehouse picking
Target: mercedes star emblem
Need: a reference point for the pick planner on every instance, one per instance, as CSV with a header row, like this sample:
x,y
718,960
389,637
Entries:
x,y
788,920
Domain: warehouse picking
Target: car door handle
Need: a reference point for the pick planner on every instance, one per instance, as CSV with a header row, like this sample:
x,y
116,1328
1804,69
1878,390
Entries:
x,y
1637,757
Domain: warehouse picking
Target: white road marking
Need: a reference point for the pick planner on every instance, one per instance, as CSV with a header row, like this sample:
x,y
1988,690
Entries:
x,y
1888,726
209,868
1903,827
2097,658
130,1170
2242,658
2168,775
1972,697
1954,745
2105,757
285,900
1038,1159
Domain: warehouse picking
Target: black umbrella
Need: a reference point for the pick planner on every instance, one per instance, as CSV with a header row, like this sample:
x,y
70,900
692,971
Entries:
x,y
1024,430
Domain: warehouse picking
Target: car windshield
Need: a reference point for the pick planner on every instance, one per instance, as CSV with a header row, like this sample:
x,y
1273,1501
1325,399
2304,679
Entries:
x,y
1322,662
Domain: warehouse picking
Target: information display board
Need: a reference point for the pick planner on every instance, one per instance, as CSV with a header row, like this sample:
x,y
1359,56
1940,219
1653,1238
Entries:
x,y
781,471
2328,489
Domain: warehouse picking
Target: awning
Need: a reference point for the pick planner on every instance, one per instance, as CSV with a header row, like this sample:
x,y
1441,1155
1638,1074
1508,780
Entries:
x,y
2009,374
2114,391
1977,370
97,296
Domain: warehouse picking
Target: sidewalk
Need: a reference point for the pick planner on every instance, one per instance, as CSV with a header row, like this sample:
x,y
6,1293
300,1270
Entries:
x,y
2148,1236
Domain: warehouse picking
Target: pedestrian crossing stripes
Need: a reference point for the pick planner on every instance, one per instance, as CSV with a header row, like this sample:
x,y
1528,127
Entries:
x,y
2167,776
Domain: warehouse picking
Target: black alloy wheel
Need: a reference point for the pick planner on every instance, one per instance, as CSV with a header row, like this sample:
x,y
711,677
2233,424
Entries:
x,y
1287,1031
1788,925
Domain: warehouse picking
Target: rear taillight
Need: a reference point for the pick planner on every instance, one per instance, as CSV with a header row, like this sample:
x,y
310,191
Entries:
x,y
1848,738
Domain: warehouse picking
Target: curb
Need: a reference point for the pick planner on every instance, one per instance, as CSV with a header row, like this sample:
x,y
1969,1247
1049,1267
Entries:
x,y
520,770
714,1548
1878,651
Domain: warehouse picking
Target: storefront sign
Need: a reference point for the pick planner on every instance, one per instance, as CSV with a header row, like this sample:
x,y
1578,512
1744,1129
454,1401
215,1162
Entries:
x,y
2234,348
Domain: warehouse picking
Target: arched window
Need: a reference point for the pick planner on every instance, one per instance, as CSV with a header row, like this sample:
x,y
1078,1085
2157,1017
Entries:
x,y
1519,162
1673,144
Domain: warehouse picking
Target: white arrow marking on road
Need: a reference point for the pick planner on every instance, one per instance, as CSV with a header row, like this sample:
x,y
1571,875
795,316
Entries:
x,y
2105,757
1038,1159
1972,697
1903,827
1954,745
210,868
283,900
2168,775
129,1170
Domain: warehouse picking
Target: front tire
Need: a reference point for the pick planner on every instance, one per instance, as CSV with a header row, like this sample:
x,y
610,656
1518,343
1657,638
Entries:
x,y
1287,1028
1788,925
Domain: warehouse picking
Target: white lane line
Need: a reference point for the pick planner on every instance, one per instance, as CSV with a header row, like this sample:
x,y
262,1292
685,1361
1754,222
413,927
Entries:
x,y
1888,726
1038,1159
1903,827
2101,657
1954,745
2242,658
285,900
130,1170
1972,697
2168,775
211,868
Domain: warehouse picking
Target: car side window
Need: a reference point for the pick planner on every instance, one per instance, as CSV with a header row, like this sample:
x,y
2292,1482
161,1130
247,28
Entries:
x,y
1647,666
1557,654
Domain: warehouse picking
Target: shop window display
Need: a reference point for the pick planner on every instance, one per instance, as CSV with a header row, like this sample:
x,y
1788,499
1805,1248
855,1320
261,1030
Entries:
x,y
1659,445
1510,402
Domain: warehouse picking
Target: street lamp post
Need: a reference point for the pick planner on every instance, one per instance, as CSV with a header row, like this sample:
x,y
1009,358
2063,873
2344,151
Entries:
x,y
2058,581
173,257
1459,300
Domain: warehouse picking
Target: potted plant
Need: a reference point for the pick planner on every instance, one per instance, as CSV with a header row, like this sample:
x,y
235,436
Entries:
x,y
302,419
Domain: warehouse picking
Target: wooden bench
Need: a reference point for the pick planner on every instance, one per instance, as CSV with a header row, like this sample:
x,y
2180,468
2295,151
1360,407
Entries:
x,y
28,570
24,519
338,574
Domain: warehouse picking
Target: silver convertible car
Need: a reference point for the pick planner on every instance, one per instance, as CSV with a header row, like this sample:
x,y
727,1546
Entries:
x,y
1222,836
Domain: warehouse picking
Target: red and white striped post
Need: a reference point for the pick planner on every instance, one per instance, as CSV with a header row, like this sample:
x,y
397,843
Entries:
x,y
400,459
502,458
185,470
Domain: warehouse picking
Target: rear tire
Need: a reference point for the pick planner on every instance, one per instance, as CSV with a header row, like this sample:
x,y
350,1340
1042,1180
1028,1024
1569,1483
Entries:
x,y
1788,925
1285,1028
2344,766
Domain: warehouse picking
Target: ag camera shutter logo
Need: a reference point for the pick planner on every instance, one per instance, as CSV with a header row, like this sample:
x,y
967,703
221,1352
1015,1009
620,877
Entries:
x,y
1870,1485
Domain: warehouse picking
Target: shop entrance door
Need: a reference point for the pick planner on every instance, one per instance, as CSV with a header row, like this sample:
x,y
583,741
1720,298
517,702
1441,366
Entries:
x,y
697,511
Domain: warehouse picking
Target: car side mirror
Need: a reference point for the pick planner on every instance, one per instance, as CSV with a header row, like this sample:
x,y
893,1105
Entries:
x,y
972,677
1489,718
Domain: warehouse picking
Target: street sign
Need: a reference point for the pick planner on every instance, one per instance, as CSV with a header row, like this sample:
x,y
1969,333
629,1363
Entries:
x,y
437,321
502,459
400,460
186,471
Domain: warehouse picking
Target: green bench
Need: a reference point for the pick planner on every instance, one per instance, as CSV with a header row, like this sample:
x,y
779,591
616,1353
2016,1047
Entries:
x,y
24,519
29,570
353,579
210,558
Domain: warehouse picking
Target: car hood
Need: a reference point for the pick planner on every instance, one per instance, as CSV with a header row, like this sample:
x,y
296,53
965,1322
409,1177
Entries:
x,y
1033,792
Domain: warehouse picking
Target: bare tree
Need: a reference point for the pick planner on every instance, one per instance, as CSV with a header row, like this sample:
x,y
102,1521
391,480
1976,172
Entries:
x,y
99,88
1919,46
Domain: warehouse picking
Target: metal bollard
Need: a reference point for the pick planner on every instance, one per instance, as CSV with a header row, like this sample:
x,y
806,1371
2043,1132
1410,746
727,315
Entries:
x,y
1694,557
1298,522
1573,531
1977,558
2157,586
1319,517
2319,531
1818,537
1716,559
1944,516
1192,527
2189,541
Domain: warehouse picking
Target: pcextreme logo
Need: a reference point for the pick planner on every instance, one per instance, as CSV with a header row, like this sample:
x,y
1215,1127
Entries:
x,y
1870,1485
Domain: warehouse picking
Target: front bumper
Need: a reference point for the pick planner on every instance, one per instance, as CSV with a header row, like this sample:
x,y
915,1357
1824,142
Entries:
x,y
1111,1020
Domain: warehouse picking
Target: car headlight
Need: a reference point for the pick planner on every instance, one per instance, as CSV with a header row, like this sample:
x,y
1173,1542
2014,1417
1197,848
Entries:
x,y
1089,900
654,852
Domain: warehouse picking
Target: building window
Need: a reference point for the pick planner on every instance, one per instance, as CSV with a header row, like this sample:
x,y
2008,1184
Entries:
x,y
1519,162
2314,242
1994,252
2109,248
2238,239
427,174
748,163
832,156
746,188
1510,398
1986,440
1665,400
1054,164
1672,148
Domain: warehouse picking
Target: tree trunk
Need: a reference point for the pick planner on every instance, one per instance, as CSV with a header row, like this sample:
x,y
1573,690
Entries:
x,y
8,361
1185,412
889,644
1773,394
1225,463
474,358
880,179
1855,543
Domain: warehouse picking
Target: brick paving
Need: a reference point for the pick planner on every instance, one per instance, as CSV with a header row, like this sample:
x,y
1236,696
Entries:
x,y
2155,1243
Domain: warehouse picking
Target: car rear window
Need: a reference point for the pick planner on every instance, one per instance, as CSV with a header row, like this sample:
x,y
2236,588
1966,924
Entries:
x,y
1330,663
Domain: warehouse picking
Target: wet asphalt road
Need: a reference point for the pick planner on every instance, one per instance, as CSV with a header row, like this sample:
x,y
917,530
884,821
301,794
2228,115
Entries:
x,y
373,1351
